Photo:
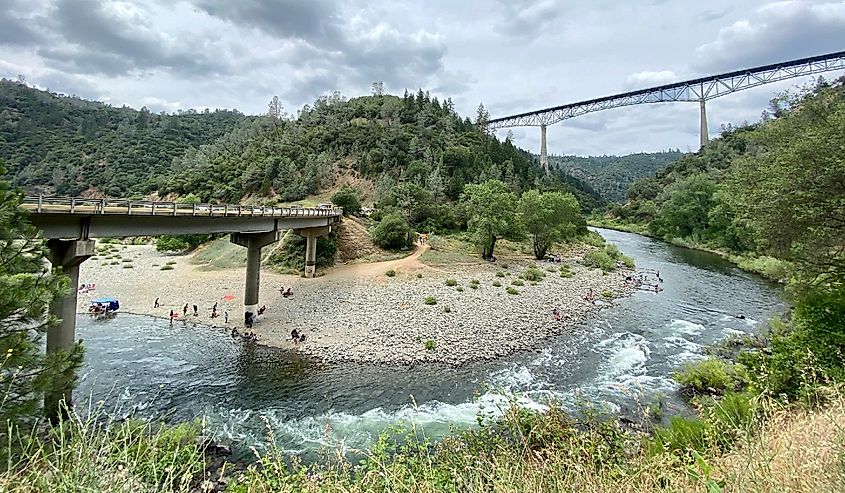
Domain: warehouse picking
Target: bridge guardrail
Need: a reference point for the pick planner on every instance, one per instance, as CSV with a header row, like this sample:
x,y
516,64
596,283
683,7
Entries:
x,y
41,204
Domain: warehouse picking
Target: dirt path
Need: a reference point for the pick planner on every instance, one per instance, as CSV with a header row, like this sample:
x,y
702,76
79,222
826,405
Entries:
x,y
407,264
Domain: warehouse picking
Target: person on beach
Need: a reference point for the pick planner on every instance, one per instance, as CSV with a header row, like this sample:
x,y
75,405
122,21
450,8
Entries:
x,y
172,316
196,311
556,314
262,309
288,293
225,317
234,332
185,310
156,304
589,295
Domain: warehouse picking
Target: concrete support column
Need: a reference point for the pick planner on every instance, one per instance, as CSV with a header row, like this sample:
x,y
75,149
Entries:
x,y
544,157
253,242
67,255
704,137
310,256
311,235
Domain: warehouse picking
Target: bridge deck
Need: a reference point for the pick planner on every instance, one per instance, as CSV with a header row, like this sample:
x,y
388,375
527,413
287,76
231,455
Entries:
x,y
87,207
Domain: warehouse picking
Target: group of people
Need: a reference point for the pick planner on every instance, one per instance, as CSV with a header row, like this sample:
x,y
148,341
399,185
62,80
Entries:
x,y
98,309
556,314
422,238
296,336
84,288
556,258
286,293
247,336
174,314
642,281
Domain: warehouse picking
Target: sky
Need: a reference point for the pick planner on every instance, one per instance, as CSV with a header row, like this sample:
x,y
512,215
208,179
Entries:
x,y
511,55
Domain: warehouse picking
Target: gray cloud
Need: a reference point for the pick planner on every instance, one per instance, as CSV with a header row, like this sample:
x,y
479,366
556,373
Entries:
x,y
527,18
778,31
15,22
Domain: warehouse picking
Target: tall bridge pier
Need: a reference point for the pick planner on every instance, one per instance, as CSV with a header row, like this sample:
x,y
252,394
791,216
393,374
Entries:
x,y
66,255
544,156
253,242
703,136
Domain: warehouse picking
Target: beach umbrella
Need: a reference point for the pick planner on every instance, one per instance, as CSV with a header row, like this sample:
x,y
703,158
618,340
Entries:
x,y
229,297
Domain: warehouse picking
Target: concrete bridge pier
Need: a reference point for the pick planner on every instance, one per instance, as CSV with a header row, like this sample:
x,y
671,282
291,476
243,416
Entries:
x,y
311,235
253,242
704,137
544,156
67,254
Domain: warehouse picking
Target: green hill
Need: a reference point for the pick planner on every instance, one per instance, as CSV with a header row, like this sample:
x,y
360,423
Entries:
x,y
611,176
52,143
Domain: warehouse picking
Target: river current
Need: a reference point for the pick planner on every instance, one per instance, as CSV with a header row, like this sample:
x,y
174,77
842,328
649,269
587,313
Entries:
x,y
619,357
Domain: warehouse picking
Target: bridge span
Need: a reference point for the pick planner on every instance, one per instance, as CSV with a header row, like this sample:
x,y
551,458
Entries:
x,y
696,90
69,224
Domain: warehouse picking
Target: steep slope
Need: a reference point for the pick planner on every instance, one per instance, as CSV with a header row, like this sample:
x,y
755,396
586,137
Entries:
x,y
611,176
66,145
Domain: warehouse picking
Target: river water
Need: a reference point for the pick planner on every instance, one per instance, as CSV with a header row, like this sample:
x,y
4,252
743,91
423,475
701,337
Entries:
x,y
620,356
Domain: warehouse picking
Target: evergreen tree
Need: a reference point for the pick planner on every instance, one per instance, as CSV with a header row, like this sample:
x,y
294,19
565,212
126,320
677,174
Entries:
x,y
27,288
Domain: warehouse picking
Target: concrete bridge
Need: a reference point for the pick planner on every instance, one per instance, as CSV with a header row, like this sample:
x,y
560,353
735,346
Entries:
x,y
69,224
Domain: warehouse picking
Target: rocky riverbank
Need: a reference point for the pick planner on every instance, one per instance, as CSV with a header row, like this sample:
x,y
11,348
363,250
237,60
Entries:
x,y
357,313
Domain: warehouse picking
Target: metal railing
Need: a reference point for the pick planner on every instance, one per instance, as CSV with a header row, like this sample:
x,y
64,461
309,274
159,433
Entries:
x,y
40,204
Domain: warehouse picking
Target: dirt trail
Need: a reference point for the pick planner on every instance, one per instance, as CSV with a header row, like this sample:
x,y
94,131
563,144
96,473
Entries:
x,y
408,264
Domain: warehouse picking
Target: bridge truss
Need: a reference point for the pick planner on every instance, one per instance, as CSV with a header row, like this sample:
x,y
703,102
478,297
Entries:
x,y
700,90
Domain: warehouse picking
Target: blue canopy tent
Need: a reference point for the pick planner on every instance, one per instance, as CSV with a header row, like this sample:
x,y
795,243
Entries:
x,y
111,303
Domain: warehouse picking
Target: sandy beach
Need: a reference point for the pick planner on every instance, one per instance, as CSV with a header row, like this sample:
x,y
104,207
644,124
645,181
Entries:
x,y
357,313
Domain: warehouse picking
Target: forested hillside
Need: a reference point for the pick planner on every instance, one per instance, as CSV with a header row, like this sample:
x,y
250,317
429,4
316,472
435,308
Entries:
x,y
611,176
64,145
773,188
415,140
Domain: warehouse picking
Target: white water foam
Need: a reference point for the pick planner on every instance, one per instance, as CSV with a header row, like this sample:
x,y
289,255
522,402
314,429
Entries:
x,y
685,327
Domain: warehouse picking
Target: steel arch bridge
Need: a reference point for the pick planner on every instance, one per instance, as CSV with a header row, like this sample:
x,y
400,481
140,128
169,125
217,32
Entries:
x,y
700,90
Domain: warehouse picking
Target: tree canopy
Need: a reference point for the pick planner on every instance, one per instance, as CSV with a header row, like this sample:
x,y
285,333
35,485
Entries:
x,y
492,213
550,217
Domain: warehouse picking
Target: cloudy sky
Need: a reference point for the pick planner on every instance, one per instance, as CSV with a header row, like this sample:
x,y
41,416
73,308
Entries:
x,y
512,55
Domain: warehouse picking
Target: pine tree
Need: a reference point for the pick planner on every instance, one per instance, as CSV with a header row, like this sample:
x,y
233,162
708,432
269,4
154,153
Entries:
x,y
27,288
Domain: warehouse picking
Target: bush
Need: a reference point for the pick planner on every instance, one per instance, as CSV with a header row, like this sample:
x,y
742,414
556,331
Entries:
x,y
505,266
451,282
291,254
600,260
430,300
497,284
683,435
627,261
447,309
390,273
419,276
459,289
565,271
607,293
474,281
500,274
612,251
512,290
517,282
473,286
711,376
392,232
533,274
349,199
166,267
180,243
430,345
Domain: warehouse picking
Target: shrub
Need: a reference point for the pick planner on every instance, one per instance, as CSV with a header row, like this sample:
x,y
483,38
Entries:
x,y
627,261
291,253
451,282
419,276
392,232
607,293
612,251
711,376
600,260
683,435
565,271
430,300
128,266
533,274
512,290
500,274
430,345
594,239
390,273
115,262
180,243
126,260
170,262
473,286
447,309
166,267
459,289
474,281
505,266
348,198
497,284
517,282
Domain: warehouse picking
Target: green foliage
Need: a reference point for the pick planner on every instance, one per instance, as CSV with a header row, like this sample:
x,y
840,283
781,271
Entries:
x,y
512,290
390,273
451,282
491,214
65,144
769,267
392,232
566,271
349,199
518,282
180,243
291,255
711,376
430,344
497,284
549,218
447,309
166,267
459,289
430,300
500,274
26,291
607,293
533,274
600,260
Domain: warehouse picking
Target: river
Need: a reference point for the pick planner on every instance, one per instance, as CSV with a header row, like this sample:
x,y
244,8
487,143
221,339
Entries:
x,y
620,356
